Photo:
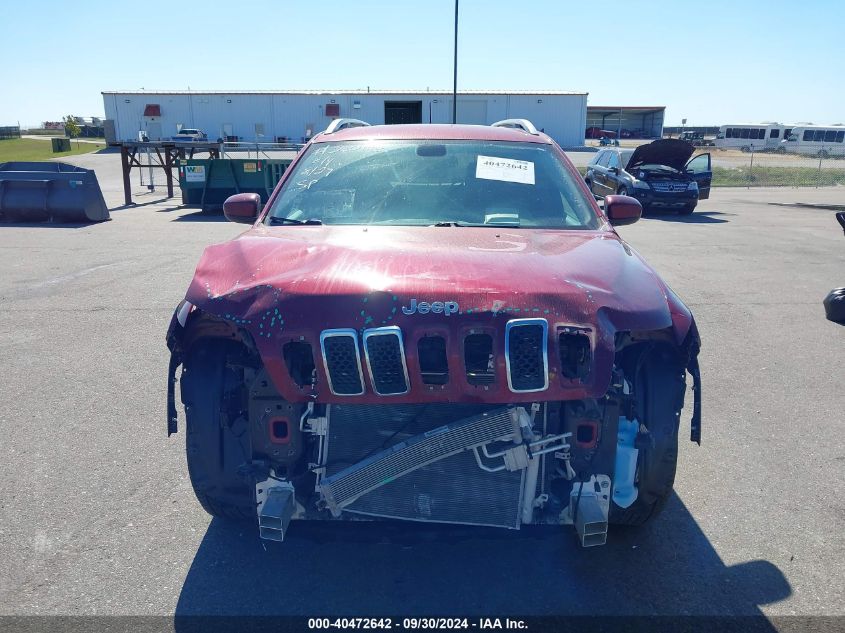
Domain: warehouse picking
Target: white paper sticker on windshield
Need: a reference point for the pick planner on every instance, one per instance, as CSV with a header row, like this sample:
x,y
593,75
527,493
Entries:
x,y
507,169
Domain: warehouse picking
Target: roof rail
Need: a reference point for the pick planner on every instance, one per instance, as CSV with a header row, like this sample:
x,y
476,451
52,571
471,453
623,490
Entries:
x,y
342,124
523,124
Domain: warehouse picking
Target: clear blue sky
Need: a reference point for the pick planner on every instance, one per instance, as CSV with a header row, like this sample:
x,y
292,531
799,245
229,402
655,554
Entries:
x,y
709,61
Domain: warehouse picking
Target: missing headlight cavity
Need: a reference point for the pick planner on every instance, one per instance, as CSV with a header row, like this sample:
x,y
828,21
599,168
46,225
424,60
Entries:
x,y
478,359
575,353
433,363
299,359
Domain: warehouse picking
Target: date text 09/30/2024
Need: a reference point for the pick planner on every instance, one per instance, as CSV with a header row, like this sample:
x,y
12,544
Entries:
x,y
416,624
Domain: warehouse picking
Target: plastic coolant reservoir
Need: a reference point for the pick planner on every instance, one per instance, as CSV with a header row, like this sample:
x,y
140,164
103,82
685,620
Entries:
x,y
624,490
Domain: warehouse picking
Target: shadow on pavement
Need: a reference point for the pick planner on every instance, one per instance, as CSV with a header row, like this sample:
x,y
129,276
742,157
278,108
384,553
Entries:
x,y
146,203
697,217
199,216
365,569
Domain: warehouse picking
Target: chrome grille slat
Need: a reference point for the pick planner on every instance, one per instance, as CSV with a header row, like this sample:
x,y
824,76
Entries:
x,y
342,361
668,186
526,355
385,355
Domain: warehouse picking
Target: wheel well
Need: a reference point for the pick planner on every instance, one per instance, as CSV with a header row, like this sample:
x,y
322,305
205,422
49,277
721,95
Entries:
x,y
203,327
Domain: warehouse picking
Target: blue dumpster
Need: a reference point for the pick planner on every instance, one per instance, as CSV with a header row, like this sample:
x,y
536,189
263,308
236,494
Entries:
x,y
50,191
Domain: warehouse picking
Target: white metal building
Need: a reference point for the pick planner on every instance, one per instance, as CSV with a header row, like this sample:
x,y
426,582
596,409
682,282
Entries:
x,y
298,115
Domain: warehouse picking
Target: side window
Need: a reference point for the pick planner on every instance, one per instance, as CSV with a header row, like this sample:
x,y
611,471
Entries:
x,y
830,136
774,133
761,134
699,164
808,135
819,135
744,132
613,160
840,136
729,132
602,161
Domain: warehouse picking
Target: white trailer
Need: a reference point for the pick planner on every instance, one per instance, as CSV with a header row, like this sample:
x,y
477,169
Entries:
x,y
815,140
750,136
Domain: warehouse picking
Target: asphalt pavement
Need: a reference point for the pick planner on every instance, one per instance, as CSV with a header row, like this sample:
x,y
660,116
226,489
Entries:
x,y
97,515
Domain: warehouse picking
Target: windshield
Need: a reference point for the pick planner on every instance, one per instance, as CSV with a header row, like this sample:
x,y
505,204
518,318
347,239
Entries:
x,y
188,130
419,183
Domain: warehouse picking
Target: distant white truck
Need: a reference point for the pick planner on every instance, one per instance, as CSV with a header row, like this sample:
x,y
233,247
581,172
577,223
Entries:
x,y
190,134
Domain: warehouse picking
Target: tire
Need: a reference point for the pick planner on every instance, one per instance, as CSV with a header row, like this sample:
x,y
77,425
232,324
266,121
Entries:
x,y
687,210
823,154
660,384
622,191
834,306
215,448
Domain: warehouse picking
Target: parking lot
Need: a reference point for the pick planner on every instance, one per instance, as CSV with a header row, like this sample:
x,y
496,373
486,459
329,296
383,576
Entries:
x,y
97,515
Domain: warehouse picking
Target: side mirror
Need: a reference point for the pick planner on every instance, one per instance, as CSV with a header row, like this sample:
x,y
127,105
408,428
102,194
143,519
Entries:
x,y
613,170
621,210
242,207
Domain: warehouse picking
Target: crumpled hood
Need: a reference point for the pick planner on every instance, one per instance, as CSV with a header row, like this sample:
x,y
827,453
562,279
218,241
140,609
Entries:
x,y
671,152
291,283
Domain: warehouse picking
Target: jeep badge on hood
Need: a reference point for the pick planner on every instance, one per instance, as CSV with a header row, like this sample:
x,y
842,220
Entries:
x,y
435,307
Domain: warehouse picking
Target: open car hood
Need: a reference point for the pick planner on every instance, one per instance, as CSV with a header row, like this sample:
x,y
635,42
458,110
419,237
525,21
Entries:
x,y
671,152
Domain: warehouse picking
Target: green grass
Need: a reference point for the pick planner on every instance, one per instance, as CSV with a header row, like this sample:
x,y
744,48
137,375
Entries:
x,y
777,176
28,149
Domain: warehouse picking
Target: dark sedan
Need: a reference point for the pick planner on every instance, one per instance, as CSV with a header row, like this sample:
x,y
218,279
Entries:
x,y
659,174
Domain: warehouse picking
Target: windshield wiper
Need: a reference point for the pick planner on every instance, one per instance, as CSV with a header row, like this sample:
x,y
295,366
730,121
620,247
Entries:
x,y
449,224
309,221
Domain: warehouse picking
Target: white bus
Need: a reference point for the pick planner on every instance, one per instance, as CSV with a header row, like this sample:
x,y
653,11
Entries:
x,y
750,136
815,140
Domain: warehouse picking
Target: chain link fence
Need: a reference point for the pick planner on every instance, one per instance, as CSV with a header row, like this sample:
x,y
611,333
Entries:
x,y
821,168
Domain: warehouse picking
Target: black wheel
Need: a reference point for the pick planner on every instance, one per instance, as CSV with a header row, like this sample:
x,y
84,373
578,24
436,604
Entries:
x,y
687,210
834,305
659,385
216,444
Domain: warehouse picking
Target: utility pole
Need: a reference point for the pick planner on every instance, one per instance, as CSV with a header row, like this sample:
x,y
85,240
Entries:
x,y
455,82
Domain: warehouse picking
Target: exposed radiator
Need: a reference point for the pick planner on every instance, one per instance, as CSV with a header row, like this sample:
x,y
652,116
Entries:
x,y
411,462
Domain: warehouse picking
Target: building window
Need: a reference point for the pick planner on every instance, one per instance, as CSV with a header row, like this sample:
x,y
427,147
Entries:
x,y
332,109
